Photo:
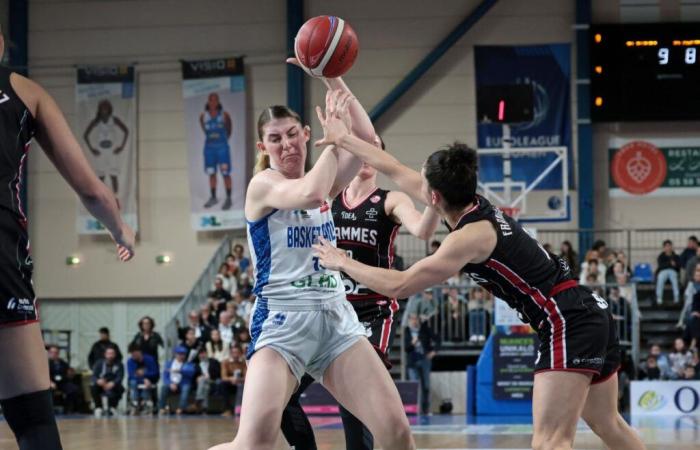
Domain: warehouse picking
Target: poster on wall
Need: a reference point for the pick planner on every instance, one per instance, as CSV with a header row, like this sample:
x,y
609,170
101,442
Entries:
x,y
513,366
547,68
215,125
667,167
106,127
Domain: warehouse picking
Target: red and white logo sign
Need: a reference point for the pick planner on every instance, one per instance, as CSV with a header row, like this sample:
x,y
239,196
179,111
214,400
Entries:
x,y
639,167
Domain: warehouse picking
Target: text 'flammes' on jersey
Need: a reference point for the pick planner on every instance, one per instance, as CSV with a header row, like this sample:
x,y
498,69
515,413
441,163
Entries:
x,y
357,234
305,237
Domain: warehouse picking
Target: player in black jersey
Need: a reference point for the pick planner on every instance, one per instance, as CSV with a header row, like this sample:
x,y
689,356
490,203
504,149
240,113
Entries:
x,y
27,111
579,353
367,220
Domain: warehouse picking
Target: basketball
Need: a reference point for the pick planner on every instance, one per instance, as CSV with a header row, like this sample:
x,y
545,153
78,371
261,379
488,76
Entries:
x,y
326,46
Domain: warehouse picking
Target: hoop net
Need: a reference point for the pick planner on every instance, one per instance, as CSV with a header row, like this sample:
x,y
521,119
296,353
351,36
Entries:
x,y
512,211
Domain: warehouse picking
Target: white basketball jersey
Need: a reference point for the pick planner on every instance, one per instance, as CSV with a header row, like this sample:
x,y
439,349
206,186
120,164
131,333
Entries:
x,y
286,270
106,135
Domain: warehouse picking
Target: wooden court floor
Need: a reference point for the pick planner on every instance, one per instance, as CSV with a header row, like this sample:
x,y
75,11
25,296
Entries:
x,y
195,433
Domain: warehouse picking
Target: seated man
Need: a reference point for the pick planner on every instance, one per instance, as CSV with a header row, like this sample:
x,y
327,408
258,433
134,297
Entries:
x,y
142,370
208,376
61,380
178,377
233,371
106,384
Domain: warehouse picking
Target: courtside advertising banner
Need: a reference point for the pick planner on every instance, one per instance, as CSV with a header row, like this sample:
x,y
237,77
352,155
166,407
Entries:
x,y
665,398
667,167
547,68
215,125
106,127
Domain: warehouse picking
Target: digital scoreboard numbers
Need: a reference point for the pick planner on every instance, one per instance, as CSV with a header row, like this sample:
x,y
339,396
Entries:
x,y
645,72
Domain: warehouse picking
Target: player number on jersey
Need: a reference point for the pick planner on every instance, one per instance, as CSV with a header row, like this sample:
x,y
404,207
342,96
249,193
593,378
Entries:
x,y
602,304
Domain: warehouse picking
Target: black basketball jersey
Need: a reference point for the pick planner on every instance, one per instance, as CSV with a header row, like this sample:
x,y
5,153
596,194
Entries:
x,y
367,234
17,127
519,271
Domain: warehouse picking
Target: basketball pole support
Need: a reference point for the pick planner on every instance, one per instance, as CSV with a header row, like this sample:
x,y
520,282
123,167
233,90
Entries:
x,y
429,60
586,210
18,12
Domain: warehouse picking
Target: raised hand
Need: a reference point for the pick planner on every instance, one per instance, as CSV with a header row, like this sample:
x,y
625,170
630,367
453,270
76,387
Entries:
x,y
336,121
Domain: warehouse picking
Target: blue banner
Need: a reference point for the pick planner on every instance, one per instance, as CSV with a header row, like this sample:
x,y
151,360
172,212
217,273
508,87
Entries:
x,y
547,69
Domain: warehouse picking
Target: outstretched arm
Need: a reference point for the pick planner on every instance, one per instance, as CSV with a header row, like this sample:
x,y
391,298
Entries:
x,y
61,147
400,207
470,243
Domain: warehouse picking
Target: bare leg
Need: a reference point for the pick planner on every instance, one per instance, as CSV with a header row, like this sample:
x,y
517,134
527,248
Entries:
x,y
268,387
28,370
558,399
600,413
377,403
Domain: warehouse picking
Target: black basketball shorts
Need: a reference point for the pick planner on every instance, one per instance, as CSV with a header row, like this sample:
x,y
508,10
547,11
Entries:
x,y
18,304
379,316
579,335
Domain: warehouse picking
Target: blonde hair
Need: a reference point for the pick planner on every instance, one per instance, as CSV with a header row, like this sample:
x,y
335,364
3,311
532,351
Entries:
x,y
262,162
273,112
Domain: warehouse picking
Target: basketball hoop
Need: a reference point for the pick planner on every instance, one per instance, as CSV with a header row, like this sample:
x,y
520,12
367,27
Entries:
x,y
511,211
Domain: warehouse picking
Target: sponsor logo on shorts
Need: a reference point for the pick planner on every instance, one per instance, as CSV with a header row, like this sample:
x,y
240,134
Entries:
x,y
4,97
279,319
588,361
652,401
20,304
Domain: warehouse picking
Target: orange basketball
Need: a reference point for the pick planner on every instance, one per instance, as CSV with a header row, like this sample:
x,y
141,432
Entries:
x,y
326,46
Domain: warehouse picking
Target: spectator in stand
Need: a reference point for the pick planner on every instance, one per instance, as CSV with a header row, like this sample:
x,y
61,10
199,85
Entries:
x,y
147,339
601,249
694,324
106,382
689,373
668,268
691,265
61,380
434,245
233,371
685,317
455,317
228,278
220,295
192,344
592,268
243,339
241,259
421,345
696,362
207,315
424,305
178,377
679,358
208,376
237,321
689,251
478,317
201,329
567,253
216,348
142,373
662,361
226,328
244,286
621,310
245,306
97,352
650,371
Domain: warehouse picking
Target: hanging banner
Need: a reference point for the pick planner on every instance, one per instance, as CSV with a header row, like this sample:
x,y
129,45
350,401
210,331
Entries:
x,y
547,69
106,115
215,124
654,167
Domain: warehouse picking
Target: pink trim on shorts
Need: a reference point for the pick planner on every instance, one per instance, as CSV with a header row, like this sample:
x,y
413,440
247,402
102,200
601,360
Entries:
x,y
591,371
603,380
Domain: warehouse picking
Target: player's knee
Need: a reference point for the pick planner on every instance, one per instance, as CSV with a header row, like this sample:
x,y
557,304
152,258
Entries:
x,y
396,434
603,424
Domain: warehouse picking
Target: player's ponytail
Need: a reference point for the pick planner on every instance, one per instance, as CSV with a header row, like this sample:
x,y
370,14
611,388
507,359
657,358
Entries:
x,y
262,162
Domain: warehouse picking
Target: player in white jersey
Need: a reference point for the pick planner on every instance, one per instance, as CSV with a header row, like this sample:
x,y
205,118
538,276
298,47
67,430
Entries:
x,y
103,141
301,321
